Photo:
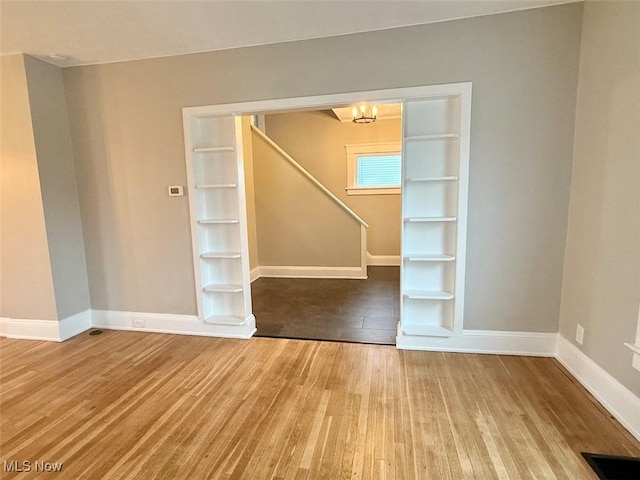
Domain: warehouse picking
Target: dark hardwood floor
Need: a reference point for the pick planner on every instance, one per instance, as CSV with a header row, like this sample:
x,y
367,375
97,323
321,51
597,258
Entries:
x,y
362,311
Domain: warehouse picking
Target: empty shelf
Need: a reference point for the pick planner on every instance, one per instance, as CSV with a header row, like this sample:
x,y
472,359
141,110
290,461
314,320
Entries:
x,y
222,288
449,178
220,255
437,136
212,221
429,257
225,320
426,330
218,185
213,149
427,295
430,219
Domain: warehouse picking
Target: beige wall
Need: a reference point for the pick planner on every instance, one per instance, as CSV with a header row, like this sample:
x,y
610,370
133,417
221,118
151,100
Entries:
x,y
601,287
316,140
26,285
297,223
126,128
58,186
247,145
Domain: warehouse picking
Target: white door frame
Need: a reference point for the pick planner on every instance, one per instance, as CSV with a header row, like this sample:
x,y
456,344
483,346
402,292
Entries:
x,y
393,95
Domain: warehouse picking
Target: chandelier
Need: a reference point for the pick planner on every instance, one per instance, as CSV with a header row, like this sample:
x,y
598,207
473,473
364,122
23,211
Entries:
x,y
365,114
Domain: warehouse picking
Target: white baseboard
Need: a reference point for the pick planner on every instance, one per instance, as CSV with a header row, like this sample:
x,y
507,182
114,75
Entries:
x,y
30,329
484,341
254,274
49,330
170,323
383,260
312,272
74,325
614,396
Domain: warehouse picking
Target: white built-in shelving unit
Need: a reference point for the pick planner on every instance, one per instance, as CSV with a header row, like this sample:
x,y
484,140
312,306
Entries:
x,y
218,223
435,160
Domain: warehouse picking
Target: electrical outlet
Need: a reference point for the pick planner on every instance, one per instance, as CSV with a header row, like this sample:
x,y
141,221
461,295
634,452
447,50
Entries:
x,y
138,322
579,334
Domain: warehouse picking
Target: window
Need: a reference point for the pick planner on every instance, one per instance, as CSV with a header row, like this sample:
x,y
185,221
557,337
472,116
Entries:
x,y
373,168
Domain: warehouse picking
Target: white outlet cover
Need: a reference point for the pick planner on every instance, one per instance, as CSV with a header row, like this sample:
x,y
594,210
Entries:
x,y
579,334
176,191
138,322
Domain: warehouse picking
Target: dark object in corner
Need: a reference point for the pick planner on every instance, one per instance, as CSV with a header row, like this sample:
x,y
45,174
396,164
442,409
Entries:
x,y
95,332
610,467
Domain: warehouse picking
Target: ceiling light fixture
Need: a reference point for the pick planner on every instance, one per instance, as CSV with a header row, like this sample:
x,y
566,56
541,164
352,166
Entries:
x,y
366,114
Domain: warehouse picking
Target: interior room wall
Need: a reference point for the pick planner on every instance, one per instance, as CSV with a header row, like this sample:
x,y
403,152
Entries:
x,y
125,121
601,287
26,282
316,140
58,186
297,223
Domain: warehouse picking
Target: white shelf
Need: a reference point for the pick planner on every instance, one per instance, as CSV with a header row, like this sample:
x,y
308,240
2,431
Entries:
x,y
429,219
225,320
222,288
429,257
220,255
427,295
426,330
439,136
450,178
214,149
221,221
218,185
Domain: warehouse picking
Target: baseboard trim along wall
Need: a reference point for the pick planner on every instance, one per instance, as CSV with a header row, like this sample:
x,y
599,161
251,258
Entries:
x,y
484,341
383,260
308,272
615,397
49,330
170,323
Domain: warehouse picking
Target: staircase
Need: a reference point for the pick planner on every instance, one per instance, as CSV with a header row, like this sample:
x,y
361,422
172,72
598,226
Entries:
x,y
303,229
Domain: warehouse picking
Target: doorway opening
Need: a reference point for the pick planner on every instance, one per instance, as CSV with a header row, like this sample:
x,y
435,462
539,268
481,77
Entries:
x,y
433,197
309,279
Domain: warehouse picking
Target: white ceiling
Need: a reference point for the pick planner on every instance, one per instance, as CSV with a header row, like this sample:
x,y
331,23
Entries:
x,y
91,32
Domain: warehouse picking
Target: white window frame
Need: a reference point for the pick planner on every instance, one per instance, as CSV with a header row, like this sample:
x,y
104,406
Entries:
x,y
355,150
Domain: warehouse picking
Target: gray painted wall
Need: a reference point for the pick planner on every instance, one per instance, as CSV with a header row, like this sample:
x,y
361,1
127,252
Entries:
x,y
601,288
126,127
26,284
58,186
297,223
316,140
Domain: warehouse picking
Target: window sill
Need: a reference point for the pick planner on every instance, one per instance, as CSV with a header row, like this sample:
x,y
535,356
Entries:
x,y
373,191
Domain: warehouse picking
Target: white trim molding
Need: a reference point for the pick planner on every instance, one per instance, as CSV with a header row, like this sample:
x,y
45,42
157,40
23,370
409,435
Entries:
x,y
75,324
310,272
254,274
615,397
170,323
383,260
483,341
48,330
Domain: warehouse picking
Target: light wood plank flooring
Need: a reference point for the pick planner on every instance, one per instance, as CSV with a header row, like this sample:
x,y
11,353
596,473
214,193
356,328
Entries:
x,y
138,405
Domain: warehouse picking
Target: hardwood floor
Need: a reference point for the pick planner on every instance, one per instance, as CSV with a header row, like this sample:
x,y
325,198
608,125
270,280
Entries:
x,y
364,311
140,405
